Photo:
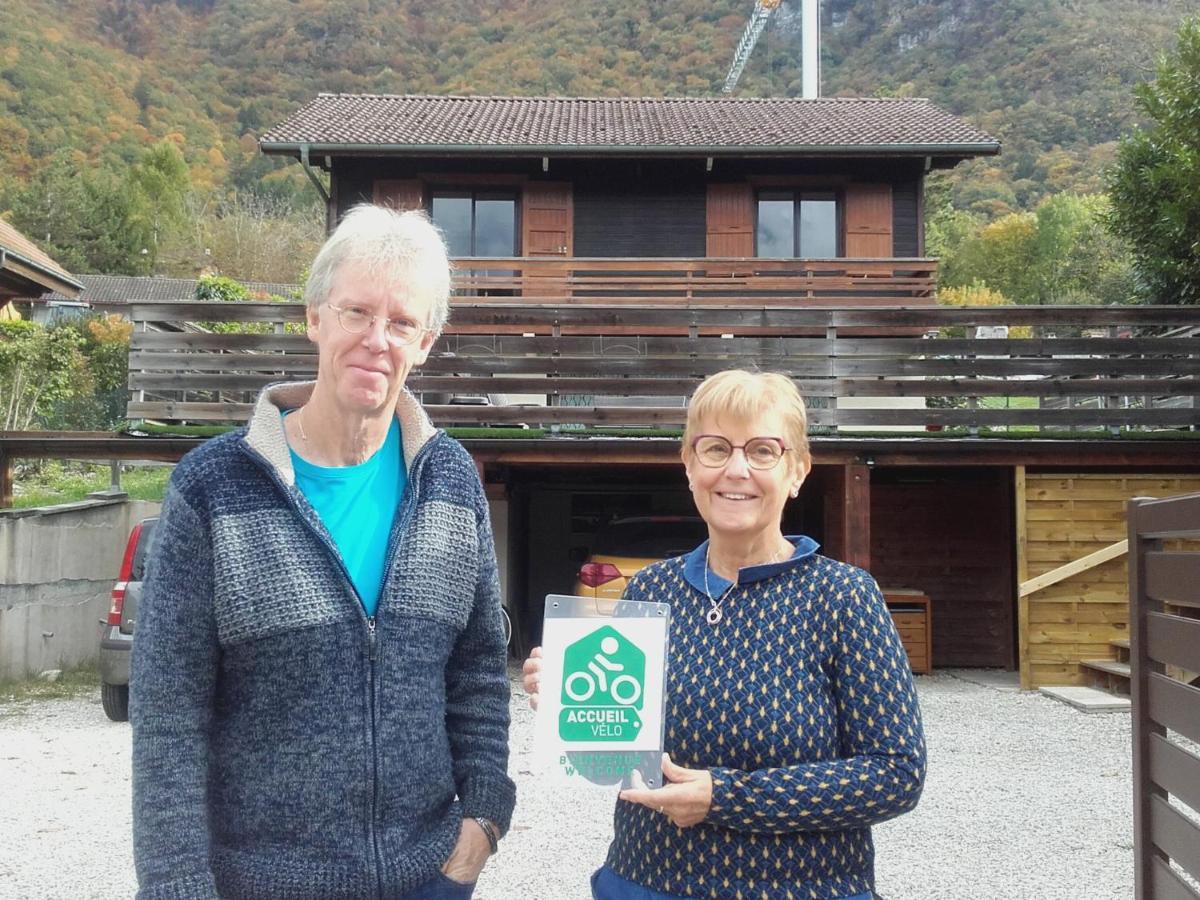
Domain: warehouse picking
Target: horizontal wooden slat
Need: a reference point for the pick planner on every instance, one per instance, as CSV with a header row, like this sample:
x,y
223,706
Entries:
x,y
842,387
1170,517
194,340
1175,835
1174,705
768,359
745,344
1175,769
1166,884
1173,577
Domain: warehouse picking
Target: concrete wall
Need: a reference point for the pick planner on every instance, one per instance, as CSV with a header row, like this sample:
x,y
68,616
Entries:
x,y
57,568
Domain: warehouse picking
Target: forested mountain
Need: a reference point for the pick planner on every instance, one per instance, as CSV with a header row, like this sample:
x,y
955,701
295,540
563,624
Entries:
x,y
105,79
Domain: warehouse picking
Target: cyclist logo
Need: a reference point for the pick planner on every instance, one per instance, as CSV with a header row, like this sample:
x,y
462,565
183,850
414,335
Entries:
x,y
605,676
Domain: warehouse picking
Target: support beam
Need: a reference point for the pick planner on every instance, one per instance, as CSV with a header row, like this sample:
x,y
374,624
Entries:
x,y
856,520
6,480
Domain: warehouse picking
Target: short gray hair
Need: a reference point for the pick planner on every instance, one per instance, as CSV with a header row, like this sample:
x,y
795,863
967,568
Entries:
x,y
403,247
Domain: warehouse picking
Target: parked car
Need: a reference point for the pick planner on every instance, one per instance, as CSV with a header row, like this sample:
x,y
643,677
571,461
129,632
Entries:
x,y
624,546
116,640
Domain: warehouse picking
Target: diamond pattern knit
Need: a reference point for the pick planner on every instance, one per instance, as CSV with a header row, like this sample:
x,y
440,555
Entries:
x,y
801,704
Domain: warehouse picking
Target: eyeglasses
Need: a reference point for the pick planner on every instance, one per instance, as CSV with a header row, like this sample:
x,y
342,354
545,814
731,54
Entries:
x,y
762,453
356,320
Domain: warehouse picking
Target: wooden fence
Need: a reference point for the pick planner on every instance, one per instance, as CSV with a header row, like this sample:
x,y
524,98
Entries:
x,y
1164,590
632,363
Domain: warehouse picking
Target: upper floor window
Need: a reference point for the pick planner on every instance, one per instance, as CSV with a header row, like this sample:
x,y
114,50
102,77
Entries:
x,y
796,224
477,223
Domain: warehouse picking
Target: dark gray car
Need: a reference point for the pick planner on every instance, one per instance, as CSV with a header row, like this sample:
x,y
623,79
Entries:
x,y
116,640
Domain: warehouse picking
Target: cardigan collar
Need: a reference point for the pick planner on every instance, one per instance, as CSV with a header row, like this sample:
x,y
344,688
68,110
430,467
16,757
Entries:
x,y
265,434
693,567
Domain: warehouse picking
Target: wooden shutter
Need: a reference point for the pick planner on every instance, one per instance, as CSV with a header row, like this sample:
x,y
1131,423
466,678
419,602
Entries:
x,y
399,193
729,225
869,221
547,219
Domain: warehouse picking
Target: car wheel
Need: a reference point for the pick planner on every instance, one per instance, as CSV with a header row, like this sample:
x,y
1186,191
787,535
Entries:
x,y
115,698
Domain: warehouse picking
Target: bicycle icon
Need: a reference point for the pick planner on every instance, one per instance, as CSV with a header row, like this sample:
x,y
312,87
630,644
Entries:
x,y
581,685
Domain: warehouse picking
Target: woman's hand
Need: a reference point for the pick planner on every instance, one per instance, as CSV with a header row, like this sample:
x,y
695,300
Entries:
x,y
531,675
685,801
470,854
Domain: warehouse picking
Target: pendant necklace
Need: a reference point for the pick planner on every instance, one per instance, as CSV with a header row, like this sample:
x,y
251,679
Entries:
x,y
714,614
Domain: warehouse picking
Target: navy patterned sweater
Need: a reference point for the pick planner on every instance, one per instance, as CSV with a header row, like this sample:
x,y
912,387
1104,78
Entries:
x,y
285,744
801,704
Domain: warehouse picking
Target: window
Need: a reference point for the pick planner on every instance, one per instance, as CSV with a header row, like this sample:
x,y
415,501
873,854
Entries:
x,y
796,224
477,223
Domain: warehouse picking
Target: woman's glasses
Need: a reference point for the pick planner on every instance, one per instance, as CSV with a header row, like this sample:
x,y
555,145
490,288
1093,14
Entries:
x,y
356,320
714,451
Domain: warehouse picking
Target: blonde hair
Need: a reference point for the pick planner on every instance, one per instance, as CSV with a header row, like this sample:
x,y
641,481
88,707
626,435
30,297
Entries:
x,y
738,394
402,247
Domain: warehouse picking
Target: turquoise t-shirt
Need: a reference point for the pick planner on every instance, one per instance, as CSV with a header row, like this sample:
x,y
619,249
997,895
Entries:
x,y
357,505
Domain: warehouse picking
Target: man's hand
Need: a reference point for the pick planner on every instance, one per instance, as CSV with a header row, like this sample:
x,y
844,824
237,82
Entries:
x,y
685,801
470,854
531,675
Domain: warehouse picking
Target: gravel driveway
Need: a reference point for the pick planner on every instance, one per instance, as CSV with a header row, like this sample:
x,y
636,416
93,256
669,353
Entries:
x,y
1026,798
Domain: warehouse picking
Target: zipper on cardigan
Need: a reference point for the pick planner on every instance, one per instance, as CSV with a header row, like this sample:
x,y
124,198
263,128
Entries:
x,y
398,526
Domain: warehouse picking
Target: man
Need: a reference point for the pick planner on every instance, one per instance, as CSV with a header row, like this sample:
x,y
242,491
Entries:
x,y
320,700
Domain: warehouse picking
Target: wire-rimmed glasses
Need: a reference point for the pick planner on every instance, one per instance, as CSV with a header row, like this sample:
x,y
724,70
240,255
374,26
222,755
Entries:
x,y
356,320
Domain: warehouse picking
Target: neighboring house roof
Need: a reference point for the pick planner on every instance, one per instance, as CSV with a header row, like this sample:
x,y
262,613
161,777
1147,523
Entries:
x,y
615,125
25,269
118,289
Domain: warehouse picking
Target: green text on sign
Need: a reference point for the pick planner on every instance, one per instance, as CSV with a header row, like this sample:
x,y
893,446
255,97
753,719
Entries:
x,y
603,686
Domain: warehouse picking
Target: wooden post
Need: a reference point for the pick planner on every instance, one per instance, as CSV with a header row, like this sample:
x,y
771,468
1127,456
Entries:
x,y
1022,576
857,518
833,483
6,481
1144,790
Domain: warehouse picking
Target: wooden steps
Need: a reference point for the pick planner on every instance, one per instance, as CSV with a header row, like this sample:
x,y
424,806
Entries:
x,y
1112,675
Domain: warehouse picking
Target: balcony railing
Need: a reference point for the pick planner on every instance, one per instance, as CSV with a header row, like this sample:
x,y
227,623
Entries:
x,y
632,364
698,281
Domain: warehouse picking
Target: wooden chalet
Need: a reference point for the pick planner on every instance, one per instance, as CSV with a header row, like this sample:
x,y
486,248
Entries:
x,y
612,252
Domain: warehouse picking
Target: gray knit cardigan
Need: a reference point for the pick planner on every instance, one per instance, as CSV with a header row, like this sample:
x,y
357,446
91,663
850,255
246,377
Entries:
x,y
285,744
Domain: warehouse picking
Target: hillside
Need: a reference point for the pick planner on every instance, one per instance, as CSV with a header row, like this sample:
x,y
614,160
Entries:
x,y
106,78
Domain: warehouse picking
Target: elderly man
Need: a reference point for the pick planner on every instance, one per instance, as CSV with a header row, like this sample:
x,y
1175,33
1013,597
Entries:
x,y
320,701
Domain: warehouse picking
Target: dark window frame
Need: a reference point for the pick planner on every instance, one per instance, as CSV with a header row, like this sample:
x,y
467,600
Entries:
x,y
797,195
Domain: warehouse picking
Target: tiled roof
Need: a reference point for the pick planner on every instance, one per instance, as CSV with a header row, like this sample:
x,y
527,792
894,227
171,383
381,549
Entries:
x,y
12,241
114,289
621,124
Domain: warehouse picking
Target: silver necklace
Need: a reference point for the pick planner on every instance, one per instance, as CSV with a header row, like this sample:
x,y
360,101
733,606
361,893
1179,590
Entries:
x,y
300,424
714,614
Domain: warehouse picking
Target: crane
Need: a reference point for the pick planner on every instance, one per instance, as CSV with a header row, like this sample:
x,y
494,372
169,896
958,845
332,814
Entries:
x,y
758,21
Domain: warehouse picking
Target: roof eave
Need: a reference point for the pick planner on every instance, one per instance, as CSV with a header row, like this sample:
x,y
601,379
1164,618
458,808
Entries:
x,y
293,148
29,268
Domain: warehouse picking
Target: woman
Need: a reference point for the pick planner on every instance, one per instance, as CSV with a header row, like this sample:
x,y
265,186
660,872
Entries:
x,y
791,719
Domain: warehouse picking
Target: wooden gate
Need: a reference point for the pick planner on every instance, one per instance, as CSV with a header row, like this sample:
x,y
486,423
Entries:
x,y
1164,593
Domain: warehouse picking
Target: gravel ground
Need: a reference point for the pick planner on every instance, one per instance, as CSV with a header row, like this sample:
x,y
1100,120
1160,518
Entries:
x,y
1026,798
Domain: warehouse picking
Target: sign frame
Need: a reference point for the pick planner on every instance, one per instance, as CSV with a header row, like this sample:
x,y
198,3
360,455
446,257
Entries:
x,y
639,767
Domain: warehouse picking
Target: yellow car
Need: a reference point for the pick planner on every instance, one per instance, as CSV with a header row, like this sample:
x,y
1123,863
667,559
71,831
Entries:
x,y
624,546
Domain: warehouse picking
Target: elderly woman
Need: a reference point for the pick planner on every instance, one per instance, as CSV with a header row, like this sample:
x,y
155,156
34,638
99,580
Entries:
x,y
791,719
320,699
